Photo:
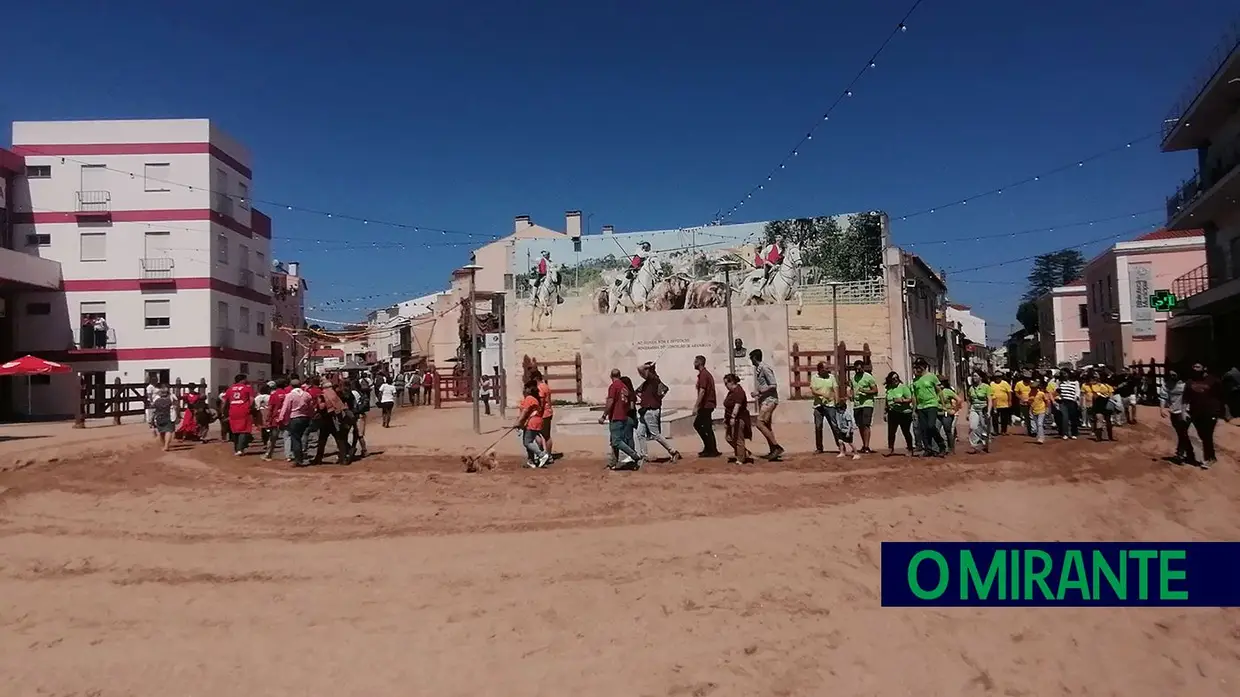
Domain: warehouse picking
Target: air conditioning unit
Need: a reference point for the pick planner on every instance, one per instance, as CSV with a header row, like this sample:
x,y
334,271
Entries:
x,y
910,283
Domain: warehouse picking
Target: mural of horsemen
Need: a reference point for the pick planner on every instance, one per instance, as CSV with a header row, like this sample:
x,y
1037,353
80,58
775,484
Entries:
x,y
680,269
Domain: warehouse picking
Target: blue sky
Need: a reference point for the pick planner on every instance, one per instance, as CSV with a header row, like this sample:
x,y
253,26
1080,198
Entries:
x,y
653,116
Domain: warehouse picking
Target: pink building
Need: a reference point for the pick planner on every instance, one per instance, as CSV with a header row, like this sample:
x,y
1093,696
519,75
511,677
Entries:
x,y
163,260
1063,325
288,315
1123,328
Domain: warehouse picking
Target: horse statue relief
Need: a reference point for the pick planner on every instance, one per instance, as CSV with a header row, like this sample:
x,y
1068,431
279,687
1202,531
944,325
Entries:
x,y
544,298
635,295
781,287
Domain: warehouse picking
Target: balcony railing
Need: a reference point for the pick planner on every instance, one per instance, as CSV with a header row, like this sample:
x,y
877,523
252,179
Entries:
x,y
1220,164
94,202
155,268
1214,62
225,337
1191,283
245,278
91,339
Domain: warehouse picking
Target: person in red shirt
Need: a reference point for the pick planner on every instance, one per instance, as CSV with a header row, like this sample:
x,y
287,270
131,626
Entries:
x,y
548,409
736,420
529,422
704,408
240,404
620,431
650,413
277,425
428,382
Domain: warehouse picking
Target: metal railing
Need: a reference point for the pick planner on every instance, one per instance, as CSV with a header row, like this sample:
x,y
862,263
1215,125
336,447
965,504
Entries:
x,y
155,268
1196,86
1191,283
245,278
91,339
97,201
1219,164
225,337
871,291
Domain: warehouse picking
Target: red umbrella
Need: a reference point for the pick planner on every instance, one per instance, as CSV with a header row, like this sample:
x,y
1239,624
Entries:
x,y
33,365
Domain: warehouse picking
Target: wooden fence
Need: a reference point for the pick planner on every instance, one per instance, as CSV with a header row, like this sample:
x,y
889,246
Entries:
x,y
802,363
118,399
451,385
563,377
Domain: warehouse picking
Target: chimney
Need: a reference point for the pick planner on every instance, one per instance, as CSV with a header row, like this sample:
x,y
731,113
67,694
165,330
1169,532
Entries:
x,y
294,267
607,230
520,223
572,224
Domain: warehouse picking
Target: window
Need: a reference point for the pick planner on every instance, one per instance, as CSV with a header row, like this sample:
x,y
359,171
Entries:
x,y
94,177
260,327
156,176
221,252
158,314
38,240
244,319
38,171
94,246
1083,311
160,376
1110,295
157,244
38,308
243,257
221,314
244,369
260,261
244,198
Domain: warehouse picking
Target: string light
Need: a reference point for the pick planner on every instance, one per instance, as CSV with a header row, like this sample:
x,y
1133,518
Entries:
x,y
1032,231
1117,235
869,64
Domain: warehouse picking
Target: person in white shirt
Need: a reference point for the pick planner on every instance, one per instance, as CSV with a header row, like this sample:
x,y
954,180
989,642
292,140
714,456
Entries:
x,y
151,391
387,400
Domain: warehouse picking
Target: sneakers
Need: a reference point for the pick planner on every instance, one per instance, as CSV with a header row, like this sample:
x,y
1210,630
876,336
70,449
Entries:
x,y
544,460
675,457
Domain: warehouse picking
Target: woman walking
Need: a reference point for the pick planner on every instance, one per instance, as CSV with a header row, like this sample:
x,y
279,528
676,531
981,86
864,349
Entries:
x,y
899,412
650,413
981,406
361,397
949,407
163,416
1040,400
529,422
1171,403
1098,398
1203,399
738,426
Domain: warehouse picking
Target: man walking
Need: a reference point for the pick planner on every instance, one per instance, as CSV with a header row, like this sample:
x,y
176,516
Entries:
x,y
824,388
619,432
766,394
927,395
864,388
704,409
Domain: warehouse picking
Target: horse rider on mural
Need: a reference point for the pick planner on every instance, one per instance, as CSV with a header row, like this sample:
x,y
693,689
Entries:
x,y
641,257
770,258
544,269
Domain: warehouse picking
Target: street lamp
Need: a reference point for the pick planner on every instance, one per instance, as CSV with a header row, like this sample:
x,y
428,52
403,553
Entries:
x,y
475,355
728,265
835,313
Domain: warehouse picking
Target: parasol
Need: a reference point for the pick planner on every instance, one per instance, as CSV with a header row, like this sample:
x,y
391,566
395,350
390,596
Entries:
x,y
32,365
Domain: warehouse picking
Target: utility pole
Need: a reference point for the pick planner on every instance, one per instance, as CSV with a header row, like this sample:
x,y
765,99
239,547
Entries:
x,y
727,265
475,355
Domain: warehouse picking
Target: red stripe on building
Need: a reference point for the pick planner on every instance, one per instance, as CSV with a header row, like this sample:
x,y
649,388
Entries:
x,y
89,149
151,216
104,285
166,353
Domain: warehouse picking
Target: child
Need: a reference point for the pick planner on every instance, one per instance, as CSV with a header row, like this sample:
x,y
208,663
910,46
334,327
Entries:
x,y
845,425
530,424
1040,400
737,425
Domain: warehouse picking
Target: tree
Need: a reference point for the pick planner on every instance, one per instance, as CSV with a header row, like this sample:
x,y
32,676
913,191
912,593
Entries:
x,y
1027,315
853,253
1052,270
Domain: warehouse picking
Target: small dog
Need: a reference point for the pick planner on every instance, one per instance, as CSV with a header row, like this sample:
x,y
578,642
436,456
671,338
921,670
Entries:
x,y
474,463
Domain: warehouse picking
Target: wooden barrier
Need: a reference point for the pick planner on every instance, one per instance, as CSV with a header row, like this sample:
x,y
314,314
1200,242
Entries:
x,y
557,380
802,363
119,399
451,385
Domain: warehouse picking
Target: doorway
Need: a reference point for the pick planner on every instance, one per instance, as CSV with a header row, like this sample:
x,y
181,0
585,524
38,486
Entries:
x,y
161,376
95,401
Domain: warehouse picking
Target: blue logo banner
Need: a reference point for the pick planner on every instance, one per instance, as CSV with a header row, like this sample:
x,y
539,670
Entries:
x,y
1048,574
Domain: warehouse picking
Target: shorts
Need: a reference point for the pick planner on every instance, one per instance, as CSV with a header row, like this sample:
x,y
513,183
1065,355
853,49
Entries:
x,y
545,431
168,427
766,413
863,416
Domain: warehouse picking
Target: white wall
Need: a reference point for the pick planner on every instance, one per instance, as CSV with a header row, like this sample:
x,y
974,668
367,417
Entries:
x,y
972,326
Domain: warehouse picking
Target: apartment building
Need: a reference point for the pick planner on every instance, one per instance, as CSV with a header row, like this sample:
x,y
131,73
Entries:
x,y
1063,325
1206,119
1124,327
163,259
288,316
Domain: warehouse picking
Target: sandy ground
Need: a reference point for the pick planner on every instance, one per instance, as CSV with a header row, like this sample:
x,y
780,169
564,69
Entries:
x,y
125,571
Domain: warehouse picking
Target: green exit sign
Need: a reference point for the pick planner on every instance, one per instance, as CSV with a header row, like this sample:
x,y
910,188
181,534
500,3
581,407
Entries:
x,y
1163,301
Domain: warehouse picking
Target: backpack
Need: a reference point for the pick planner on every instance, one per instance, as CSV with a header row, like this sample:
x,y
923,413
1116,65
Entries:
x,y
363,401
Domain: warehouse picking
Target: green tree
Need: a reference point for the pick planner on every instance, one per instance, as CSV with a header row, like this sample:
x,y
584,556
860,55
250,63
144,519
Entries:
x,y
850,253
1049,271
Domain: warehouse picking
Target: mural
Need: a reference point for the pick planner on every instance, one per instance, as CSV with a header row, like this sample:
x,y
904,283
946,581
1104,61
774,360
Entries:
x,y
675,270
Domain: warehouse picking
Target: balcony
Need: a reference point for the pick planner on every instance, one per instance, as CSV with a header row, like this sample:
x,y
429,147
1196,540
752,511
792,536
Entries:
x,y
223,204
245,278
1207,194
155,269
1191,283
225,337
94,203
92,340
1209,98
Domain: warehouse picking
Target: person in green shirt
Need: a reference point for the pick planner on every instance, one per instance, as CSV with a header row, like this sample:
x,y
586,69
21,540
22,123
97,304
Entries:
x,y
899,412
981,406
864,390
926,389
949,405
825,389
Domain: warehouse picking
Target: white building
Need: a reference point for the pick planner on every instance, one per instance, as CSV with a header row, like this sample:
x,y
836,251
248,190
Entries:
x,y
972,326
152,224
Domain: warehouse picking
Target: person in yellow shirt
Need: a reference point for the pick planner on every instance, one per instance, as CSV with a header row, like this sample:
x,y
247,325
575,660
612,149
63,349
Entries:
x,y
1001,393
1021,389
1097,395
1040,401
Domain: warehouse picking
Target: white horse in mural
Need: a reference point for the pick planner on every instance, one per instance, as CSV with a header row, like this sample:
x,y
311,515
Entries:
x,y
544,299
781,287
635,295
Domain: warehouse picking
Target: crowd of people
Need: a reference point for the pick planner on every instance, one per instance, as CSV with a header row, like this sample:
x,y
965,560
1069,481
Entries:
x,y
291,416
